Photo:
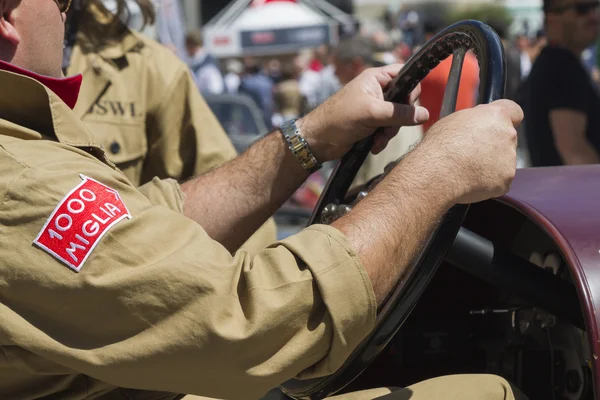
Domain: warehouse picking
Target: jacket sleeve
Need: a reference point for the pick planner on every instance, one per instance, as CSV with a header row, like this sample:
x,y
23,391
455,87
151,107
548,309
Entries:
x,y
160,306
164,192
167,192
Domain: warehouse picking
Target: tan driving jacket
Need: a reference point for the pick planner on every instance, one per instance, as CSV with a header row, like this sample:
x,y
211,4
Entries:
x,y
158,306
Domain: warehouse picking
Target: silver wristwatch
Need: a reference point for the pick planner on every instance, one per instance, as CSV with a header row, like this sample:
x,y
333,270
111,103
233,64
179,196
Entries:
x,y
299,147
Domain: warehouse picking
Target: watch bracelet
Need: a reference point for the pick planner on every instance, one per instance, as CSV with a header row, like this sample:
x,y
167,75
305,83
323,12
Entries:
x,y
299,147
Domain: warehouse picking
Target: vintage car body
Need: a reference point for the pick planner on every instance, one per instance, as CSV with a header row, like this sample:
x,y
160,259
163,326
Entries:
x,y
240,117
562,202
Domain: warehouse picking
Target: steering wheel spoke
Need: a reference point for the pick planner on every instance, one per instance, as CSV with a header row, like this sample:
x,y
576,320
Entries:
x,y
453,85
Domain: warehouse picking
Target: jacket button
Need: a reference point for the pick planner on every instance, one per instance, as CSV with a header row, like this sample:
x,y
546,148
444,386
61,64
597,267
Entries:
x,y
115,147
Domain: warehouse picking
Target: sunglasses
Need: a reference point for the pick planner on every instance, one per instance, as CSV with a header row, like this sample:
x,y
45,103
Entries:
x,y
580,8
63,5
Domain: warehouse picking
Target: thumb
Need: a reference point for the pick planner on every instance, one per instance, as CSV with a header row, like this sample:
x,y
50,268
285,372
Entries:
x,y
386,113
513,109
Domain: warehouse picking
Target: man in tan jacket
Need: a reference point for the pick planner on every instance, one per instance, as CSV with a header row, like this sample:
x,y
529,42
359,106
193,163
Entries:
x,y
141,104
112,291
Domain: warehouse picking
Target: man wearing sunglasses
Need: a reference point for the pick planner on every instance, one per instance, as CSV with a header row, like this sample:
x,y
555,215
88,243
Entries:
x,y
561,103
108,291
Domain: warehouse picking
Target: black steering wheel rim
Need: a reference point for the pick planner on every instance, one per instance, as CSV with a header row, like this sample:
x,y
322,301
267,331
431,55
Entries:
x,y
485,43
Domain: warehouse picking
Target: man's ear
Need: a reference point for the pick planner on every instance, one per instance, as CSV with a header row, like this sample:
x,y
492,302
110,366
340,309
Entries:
x,y
7,29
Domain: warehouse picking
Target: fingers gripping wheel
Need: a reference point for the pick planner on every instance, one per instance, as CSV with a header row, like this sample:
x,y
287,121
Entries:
x,y
455,40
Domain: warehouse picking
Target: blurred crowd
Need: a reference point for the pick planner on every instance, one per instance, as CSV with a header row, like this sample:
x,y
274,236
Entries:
x,y
288,86
283,87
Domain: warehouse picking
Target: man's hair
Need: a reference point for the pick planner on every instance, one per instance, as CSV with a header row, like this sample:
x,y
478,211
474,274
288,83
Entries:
x,y
194,39
101,26
356,47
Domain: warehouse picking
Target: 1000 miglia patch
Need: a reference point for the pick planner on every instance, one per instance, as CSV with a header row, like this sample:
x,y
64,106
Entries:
x,y
80,221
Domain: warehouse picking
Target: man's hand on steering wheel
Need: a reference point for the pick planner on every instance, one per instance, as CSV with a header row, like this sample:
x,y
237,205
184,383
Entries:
x,y
356,111
479,148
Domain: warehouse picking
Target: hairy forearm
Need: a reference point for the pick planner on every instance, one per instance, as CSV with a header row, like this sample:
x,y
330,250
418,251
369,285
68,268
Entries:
x,y
569,129
233,201
584,153
389,227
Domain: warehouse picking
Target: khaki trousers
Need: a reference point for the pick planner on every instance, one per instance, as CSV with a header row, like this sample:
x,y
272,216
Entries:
x,y
452,387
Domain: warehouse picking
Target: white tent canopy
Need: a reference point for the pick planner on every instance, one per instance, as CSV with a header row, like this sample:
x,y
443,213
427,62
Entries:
x,y
272,27
277,15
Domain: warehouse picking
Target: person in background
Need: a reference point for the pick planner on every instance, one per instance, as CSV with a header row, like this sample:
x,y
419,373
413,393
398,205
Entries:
x,y
523,44
273,70
309,79
384,48
170,26
289,102
204,66
139,99
256,84
329,81
408,22
561,102
316,64
351,57
233,78
141,104
434,85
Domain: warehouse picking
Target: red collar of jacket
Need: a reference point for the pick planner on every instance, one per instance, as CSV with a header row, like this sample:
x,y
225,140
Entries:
x,y
65,88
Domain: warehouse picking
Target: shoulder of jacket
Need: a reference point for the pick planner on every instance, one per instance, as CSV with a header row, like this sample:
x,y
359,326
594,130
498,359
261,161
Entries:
x,y
159,58
156,51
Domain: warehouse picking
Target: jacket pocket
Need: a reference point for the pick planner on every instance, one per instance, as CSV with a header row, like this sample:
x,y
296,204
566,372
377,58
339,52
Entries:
x,y
124,143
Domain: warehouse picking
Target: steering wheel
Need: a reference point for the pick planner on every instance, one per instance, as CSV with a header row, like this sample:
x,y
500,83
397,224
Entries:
x,y
455,40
